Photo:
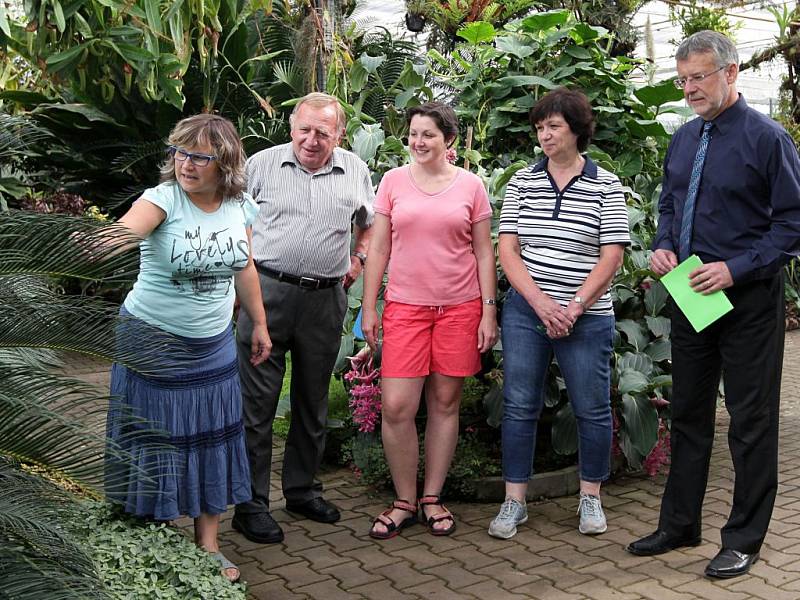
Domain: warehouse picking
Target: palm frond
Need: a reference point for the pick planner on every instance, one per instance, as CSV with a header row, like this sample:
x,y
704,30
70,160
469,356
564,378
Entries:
x,y
125,196
57,423
33,316
147,152
38,557
289,74
17,134
59,245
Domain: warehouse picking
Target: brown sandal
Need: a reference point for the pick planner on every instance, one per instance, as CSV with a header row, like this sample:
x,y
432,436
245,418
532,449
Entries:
x,y
392,528
434,500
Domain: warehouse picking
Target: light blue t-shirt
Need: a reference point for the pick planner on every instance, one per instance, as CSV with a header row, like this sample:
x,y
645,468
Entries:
x,y
185,283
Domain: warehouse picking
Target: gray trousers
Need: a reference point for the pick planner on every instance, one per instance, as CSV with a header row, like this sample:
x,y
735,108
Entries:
x,y
308,324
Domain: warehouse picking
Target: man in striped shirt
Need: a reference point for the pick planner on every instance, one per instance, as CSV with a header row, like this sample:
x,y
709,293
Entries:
x,y
309,193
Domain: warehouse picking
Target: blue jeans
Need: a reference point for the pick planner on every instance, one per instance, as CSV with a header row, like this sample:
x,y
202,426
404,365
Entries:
x,y
584,358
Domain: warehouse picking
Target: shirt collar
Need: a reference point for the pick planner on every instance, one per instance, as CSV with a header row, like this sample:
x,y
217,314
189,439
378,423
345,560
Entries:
x,y
727,118
589,167
336,162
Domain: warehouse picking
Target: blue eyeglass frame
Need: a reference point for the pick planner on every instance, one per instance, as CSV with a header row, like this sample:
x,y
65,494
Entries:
x,y
205,159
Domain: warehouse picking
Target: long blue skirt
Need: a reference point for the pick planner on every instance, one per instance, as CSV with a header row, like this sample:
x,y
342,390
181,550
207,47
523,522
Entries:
x,y
196,403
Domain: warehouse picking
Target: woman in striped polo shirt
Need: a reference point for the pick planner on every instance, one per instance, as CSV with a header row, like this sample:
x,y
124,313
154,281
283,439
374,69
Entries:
x,y
563,229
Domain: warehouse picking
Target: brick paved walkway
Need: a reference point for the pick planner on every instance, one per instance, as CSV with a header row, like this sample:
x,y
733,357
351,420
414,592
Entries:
x,y
548,559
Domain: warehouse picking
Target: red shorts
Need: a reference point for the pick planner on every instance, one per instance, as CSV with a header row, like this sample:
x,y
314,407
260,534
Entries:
x,y
419,340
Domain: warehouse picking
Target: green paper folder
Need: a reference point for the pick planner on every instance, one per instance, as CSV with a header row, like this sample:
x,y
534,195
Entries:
x,y
699,309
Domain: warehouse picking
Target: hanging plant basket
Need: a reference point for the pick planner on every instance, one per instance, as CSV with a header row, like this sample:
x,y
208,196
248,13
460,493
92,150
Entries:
x,y
415,22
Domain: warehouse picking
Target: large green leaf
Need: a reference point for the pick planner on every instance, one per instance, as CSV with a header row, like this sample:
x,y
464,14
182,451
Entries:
x,y
358,76
659,326
565,430
641,422
345,349
655,298
545,20
4,27
634,333
371,63
367,140
578,52
493,406
88,112
632,381
642,128
657,94
63,60
477,32
519,80
630,164
636,361
516,45
659,350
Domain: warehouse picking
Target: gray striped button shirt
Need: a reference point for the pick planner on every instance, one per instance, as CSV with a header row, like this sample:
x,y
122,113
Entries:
x,y
304,221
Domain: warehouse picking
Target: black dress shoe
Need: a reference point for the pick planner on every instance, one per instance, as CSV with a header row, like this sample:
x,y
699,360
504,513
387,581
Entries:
x,y
316,509
730,563
659,543
258,527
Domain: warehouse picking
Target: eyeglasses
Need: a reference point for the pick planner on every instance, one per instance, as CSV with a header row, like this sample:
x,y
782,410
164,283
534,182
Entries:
x,y
681,82
198,160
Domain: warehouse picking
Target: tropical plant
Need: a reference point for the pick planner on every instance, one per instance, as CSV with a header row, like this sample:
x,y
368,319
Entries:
x,y
693,17
52,443
127,71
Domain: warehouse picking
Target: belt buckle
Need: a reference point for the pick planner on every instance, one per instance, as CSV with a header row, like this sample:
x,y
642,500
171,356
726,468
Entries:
x,y
308,283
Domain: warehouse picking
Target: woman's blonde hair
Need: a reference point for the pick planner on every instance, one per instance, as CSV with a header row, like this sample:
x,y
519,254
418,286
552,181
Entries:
x,y
218,133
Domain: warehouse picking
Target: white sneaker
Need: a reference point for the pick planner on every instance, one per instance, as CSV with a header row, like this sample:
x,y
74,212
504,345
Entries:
x,y
512,513
593,519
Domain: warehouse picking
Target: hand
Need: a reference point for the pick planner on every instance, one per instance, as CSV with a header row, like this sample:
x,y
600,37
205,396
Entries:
x,y
710,278
353,273
370,326
260,345
553,316
487,332
663,261
574,311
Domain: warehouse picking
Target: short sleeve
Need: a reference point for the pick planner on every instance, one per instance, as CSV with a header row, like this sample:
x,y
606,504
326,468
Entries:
x,y
509,213
614,216
383,200
249,208
481,209
365,213
164,196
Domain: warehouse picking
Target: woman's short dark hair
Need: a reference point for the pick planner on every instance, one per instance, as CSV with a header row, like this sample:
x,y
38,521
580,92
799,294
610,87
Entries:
x,y
443,115
573,106
220,134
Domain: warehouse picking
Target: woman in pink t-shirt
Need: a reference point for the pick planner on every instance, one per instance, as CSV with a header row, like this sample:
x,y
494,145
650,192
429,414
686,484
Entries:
x,y
432,227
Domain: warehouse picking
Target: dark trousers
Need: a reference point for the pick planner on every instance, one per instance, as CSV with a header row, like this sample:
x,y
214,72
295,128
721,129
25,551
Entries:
x,y
308,324
745,347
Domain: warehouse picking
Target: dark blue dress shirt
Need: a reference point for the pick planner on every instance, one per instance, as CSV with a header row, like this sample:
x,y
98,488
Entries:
x,y
747,211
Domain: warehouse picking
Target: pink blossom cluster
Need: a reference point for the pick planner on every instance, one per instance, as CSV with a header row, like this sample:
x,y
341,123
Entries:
x,y
451,156
660,454
365,393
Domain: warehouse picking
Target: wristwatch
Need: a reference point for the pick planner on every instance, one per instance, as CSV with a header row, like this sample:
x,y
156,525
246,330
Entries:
x,y
579,300
361,257
490,301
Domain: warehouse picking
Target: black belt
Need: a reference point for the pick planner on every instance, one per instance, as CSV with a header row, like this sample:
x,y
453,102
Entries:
x,y
307,283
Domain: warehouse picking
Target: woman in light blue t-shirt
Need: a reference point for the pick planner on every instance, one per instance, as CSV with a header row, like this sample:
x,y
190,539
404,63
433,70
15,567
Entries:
x,y
195,259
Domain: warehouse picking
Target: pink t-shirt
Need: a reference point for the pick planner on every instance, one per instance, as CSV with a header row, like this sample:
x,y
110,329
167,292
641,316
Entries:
x,y
432,262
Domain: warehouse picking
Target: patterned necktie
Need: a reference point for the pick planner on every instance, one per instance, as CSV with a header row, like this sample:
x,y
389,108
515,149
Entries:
x,y
684,244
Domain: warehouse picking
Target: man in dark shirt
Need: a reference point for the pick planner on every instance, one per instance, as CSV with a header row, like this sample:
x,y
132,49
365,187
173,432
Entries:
x,y
736,175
